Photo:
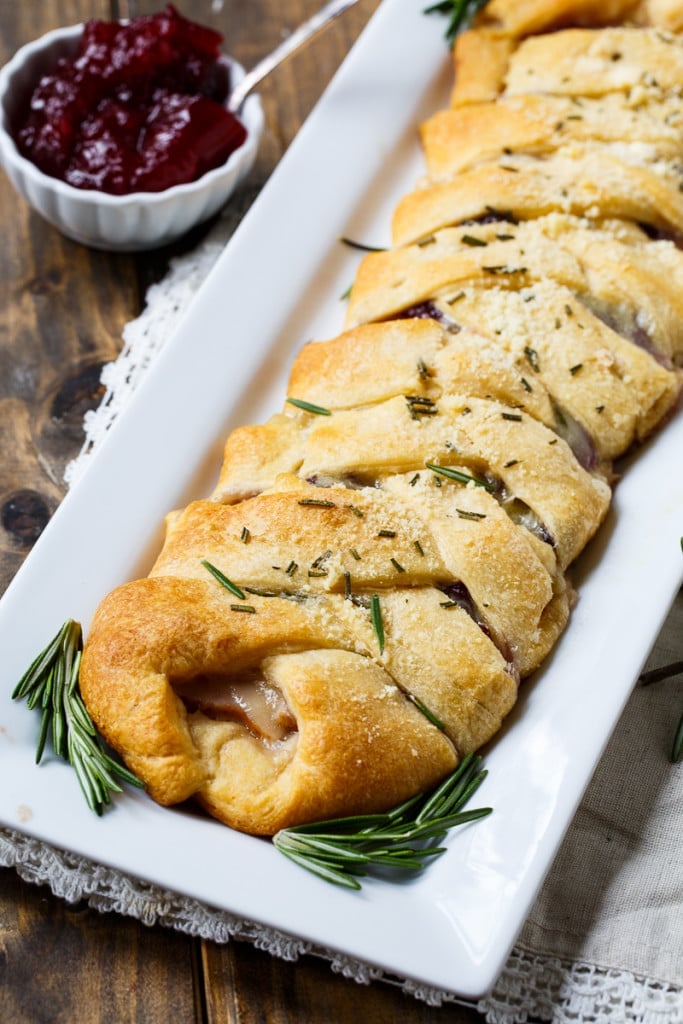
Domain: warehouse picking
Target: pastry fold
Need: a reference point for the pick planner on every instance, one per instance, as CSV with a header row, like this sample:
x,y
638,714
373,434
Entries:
x,y
385,559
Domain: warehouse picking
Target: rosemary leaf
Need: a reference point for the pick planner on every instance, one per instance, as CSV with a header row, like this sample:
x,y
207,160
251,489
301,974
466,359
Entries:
x,y
377,623
457,474
352,244
309,407
223,580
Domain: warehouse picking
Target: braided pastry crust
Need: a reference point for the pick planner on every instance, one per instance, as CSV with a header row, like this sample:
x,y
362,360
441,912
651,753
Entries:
x,y
384,560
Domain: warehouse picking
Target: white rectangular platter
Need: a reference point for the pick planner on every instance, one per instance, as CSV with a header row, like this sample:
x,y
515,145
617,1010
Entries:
x,y
277,285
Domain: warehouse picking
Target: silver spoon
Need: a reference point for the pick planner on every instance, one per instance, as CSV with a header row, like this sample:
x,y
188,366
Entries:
x,y
281,53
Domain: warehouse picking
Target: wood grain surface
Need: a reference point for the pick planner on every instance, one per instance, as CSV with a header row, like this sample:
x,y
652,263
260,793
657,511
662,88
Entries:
x,y
62,311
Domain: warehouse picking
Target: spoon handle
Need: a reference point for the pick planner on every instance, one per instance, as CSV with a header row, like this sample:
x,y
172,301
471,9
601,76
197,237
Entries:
x,y
281,53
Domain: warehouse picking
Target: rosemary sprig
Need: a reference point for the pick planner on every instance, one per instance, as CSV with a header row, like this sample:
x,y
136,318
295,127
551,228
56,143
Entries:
x,y
404,839
460,14
51,684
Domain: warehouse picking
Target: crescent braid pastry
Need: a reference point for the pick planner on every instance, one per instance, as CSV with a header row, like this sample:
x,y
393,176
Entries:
x,y
384,560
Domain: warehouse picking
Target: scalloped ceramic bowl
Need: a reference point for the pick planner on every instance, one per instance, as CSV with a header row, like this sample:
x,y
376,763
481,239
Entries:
x,y
140,220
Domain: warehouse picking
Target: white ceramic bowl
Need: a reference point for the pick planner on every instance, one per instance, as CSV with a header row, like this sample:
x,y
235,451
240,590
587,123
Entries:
x,y
140,220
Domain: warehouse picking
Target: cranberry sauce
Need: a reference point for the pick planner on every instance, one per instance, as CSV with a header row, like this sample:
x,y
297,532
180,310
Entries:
x,y
137,108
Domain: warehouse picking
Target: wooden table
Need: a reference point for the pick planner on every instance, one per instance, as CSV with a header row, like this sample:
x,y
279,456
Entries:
x,y
62,310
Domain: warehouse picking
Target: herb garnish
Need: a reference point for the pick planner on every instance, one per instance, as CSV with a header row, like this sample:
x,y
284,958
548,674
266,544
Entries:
x,y
352,244
460,14
423,709
459,475
223,579
377,623
51,684
465,513
404,839
308,406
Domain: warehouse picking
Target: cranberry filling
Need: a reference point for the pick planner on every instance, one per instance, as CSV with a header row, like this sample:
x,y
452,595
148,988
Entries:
x,y
137,108
625,324
429,311
492,217
577,437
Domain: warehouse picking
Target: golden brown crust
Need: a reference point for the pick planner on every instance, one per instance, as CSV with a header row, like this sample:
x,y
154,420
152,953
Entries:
x,y
582,180
538,125
354,726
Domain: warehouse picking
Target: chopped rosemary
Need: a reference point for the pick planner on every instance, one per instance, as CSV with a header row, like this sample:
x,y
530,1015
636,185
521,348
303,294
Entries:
x,y
465,513
575,369
404,839
321,559
291,568
423,370
308,406
245,535
347,585
473,241
397,565
355,554
317,502
418,547
387,533
513,416
243,608
51,684
459,475
421,406
414,480
356,511
377,623
223,580
532,357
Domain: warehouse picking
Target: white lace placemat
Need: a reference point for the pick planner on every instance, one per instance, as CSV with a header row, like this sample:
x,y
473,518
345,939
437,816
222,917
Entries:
x,y
604,941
